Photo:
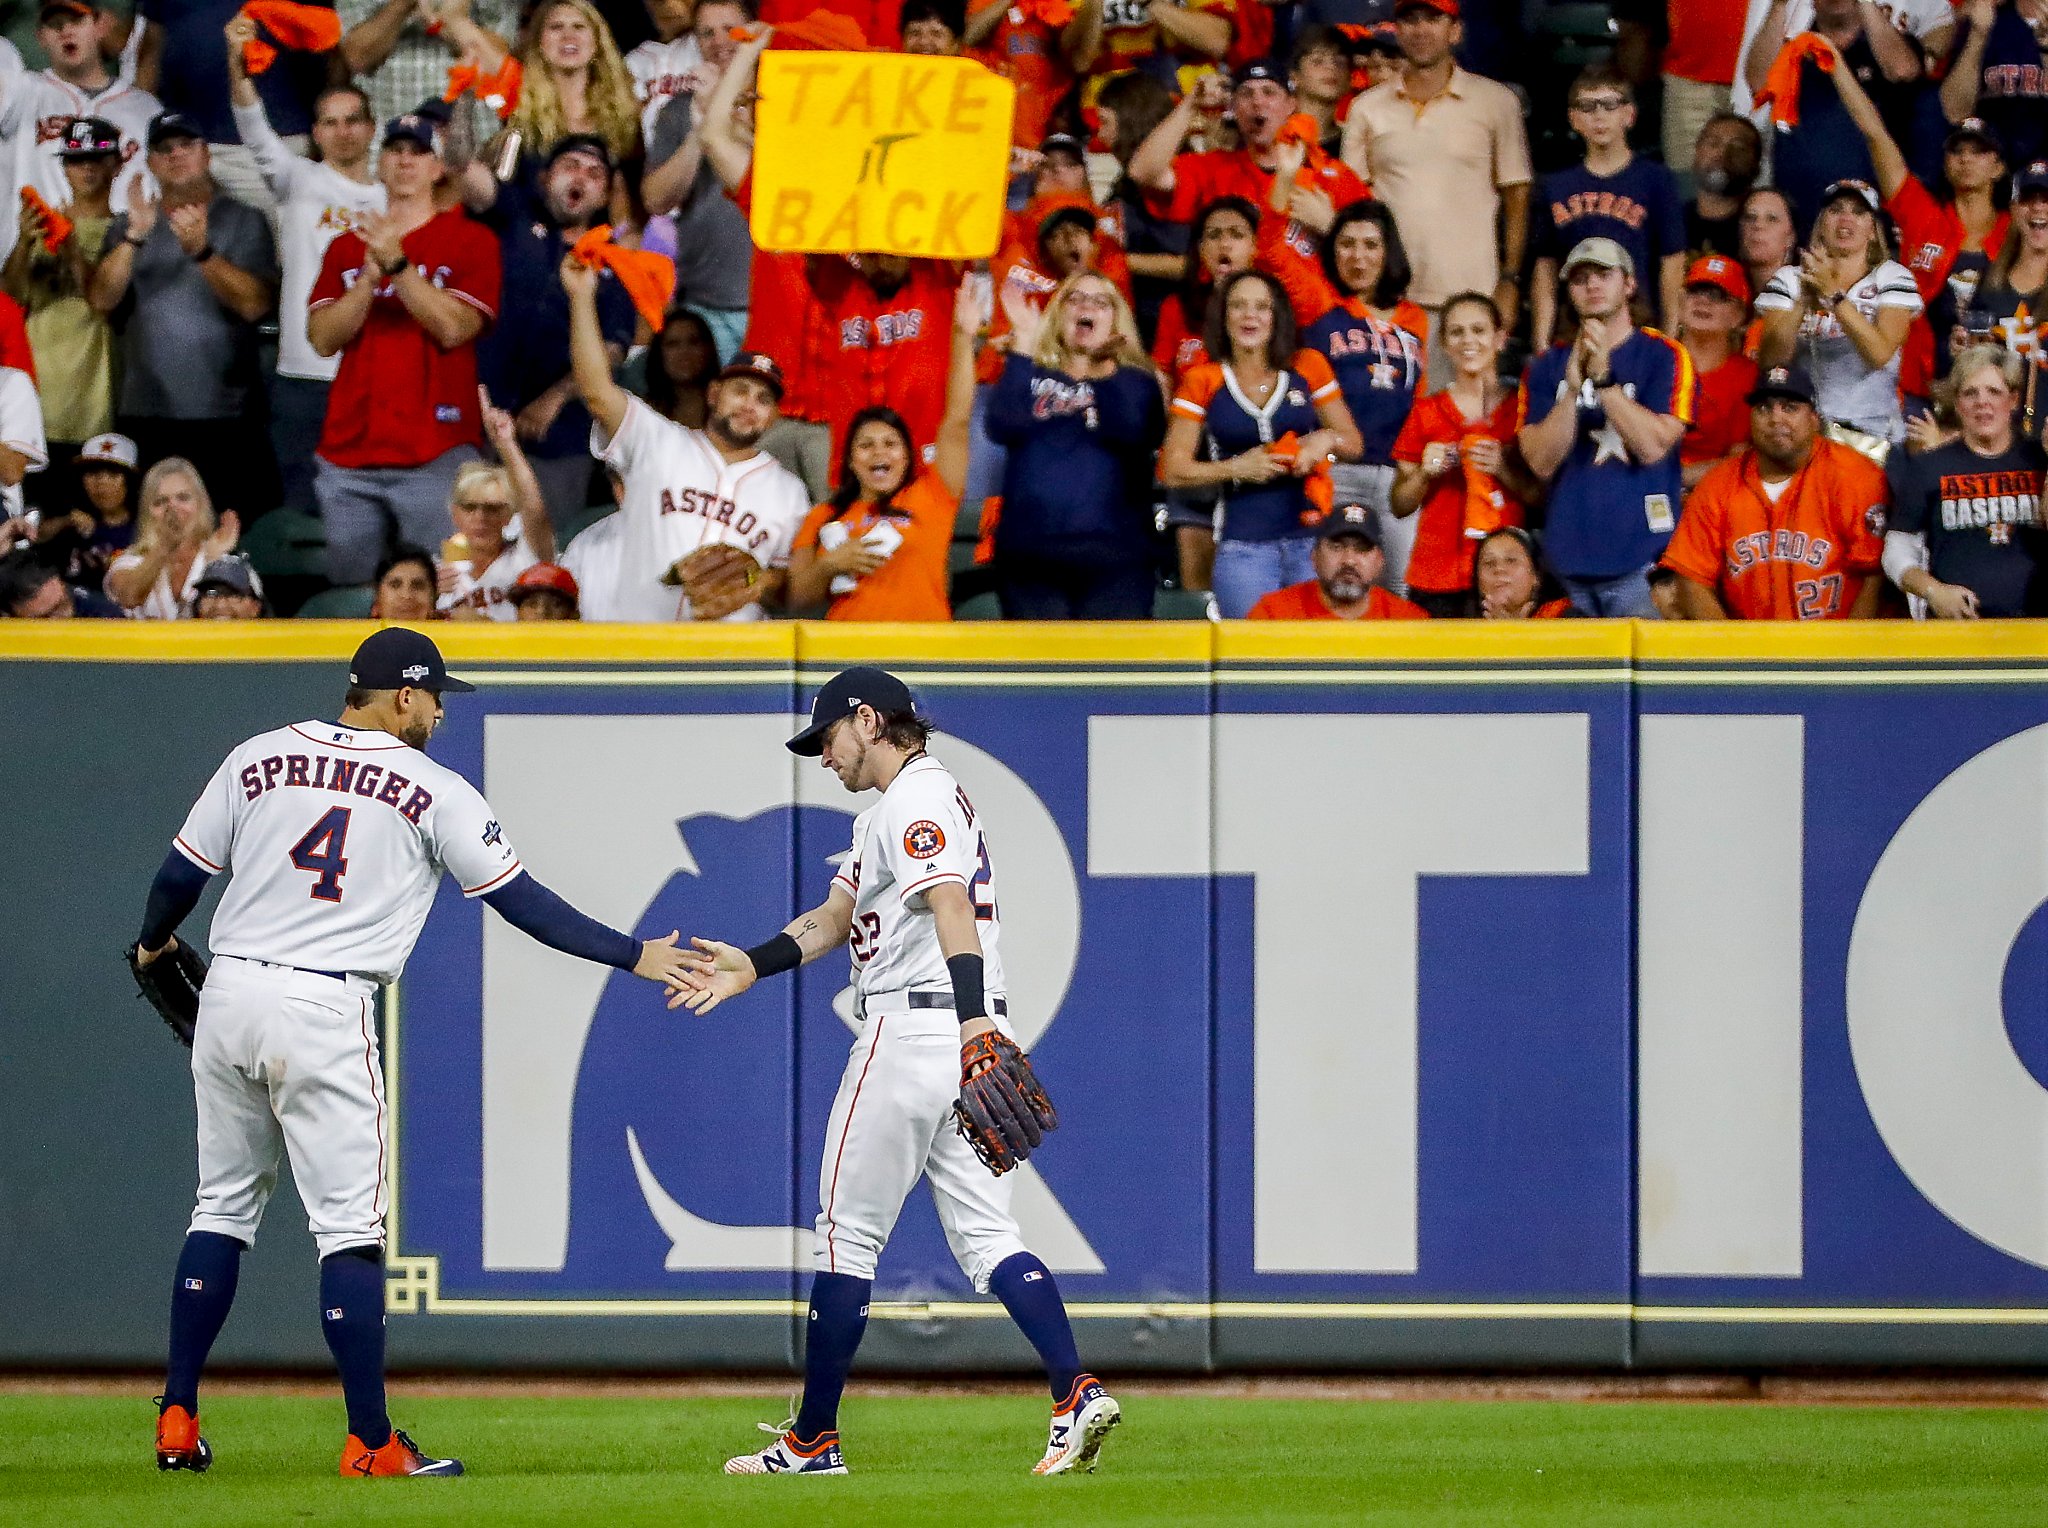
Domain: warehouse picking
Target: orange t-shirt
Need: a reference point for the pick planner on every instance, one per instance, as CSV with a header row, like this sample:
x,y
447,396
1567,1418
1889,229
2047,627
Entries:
x,y
911,585
1441,561
1720,420
783,320
1176,348
1304,602
1026,52
1803,558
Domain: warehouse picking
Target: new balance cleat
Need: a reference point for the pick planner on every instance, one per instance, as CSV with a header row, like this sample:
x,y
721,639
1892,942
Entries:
x,y
399,1456
178,1444
1080,1423
791,1455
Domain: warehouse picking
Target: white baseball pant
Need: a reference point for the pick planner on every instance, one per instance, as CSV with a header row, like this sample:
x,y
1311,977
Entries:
x,y
892,1120
286,1059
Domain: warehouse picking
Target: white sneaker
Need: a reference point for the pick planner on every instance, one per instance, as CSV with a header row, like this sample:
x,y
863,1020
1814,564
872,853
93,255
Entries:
x,y
1080,1423
787,1456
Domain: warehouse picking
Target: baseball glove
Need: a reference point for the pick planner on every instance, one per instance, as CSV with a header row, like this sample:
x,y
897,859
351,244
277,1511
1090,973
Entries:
x,y
171,982
718,579
1002,1108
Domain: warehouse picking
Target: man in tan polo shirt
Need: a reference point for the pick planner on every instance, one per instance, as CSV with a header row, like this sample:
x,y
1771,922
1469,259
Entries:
x,y
1447,152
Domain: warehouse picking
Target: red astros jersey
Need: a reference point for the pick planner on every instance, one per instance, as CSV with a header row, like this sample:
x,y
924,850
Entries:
x,y
335,840
1803,557
681,495
923,831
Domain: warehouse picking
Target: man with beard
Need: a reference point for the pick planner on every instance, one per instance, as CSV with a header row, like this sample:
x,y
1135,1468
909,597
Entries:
x,y
525,363
1725,162
1602,417
1791,529
686,490
1965,530
1348,564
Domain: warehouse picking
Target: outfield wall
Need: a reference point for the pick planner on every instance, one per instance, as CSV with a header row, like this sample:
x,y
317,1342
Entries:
x,y
1577,995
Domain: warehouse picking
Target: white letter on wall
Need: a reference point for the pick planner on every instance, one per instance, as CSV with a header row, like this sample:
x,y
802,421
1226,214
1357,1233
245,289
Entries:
x,y
1718,970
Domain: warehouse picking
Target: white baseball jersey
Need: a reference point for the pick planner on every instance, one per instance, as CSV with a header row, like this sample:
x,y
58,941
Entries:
x,y
34,111
488,591
922,832
335,840
661,71
681,495
21,429
316,203
593,558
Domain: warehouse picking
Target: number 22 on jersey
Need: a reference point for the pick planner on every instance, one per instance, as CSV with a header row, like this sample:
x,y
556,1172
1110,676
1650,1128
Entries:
x,y
321,853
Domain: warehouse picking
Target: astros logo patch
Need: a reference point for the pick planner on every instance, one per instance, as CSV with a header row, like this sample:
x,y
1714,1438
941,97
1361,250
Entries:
x,y
923,838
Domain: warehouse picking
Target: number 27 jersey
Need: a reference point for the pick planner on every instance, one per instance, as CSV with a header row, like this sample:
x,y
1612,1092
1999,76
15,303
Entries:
x,y
922,832
335,839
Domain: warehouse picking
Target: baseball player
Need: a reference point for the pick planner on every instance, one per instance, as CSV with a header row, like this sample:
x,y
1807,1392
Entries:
x,y
334,836
36,109
916,903
708,517
1791,529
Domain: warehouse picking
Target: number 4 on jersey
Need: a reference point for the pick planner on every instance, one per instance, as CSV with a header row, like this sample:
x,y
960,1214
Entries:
x,y
320,853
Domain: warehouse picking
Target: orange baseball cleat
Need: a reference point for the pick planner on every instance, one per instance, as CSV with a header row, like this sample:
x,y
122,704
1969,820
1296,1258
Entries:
x,y
178,1444
399,1456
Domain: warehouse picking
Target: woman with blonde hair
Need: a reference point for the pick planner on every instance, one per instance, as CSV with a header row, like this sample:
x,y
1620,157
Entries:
x,y
574,81
485,556
176,536
1079,409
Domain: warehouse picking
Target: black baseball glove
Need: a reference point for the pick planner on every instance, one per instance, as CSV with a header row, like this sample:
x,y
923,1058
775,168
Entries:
x,y
1002,1108
171,982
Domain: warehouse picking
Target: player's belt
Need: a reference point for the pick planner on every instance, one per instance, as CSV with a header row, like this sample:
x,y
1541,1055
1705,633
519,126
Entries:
x,y
998,1006
278,965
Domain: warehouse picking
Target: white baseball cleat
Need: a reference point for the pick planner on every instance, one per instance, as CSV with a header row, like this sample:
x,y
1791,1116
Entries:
x,y
789,1455
1080,1424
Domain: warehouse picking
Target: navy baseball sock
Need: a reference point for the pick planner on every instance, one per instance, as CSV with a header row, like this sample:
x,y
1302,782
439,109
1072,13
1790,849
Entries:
x,y
1026,1288
839,1314
200,1296
352,1321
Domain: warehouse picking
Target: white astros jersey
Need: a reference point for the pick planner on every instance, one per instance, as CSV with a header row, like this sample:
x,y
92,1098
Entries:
x,y
490,590
923,831
662,71
336,839
34,111
680,495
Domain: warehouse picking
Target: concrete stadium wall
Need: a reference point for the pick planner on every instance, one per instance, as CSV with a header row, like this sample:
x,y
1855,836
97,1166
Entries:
x,y
1578,995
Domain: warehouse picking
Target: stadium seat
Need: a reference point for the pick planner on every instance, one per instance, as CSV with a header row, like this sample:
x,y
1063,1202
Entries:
x,y
580,522
286,543
978,607
1180,605
350,603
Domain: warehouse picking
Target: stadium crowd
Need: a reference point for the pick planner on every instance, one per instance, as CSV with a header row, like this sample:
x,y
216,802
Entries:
x,y
1350,309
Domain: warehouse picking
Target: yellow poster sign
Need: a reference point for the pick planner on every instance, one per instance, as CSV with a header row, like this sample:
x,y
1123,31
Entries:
x,y
883,153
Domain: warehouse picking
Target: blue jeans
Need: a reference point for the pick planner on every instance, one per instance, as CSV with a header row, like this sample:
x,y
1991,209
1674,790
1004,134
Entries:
x,y
1248,571
1620,594
728,328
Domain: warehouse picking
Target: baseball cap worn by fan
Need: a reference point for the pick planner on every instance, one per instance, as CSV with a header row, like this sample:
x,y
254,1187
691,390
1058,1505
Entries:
x,y
543,578
1862,190
1446,7
414,127
1353,520
1269,69
397,657
89,138
582,143
108,450
1974,130
58,10
752,363
1783,382
2033,178
1604,253
233,574
845,693
1720,273
172,126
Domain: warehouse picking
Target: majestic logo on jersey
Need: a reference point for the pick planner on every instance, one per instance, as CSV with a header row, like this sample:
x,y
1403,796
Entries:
x,y
493,834
923,839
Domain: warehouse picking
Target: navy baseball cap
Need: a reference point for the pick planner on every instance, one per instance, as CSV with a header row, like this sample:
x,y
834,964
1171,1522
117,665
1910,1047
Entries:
x,y
755,364
582,143
845,693
1064,143
2033,178
415,127
1861,190
1977,130
397,657
232,573
1783,382
1264,69
166,126
1349,520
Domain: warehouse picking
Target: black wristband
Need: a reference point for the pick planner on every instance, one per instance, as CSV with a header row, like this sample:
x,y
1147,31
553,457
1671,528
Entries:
x,y
968,1002
781,953
1601,384
132,242
202,254
392,270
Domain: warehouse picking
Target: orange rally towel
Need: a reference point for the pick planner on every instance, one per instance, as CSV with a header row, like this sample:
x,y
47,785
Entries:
x,y
985,530
821,31
1484,500
1781,85
499,91
1319,487
1057,13
1303,129
649,279
56,226
302,28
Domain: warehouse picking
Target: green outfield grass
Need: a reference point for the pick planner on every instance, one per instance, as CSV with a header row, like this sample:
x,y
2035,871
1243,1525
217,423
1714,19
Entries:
x,y
965,1462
